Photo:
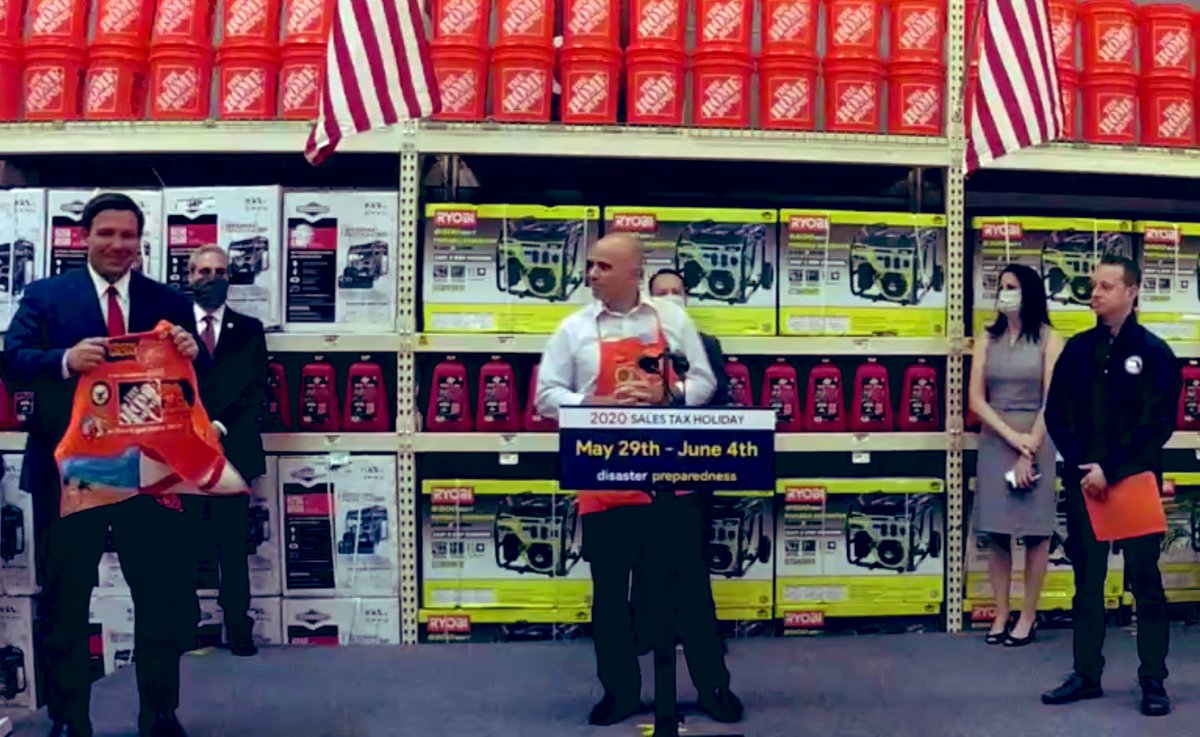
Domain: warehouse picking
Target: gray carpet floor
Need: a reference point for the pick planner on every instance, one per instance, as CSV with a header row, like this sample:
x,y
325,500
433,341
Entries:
x,y
918,685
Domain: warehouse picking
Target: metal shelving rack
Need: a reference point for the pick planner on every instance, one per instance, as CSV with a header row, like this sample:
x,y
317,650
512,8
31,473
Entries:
x,y
410,141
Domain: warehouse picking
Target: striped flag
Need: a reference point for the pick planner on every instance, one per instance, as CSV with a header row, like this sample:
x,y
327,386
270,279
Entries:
x,y
377,72
1016,102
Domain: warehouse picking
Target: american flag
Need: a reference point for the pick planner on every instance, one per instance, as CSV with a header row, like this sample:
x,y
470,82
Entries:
x,y
377,72
1016,102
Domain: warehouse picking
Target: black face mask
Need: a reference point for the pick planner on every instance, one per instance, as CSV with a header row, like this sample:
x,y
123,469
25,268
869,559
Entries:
x,y
210,293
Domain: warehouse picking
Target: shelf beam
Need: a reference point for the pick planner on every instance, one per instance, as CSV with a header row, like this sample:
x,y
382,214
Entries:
x,y
471,442
1082,158
210,137
733,345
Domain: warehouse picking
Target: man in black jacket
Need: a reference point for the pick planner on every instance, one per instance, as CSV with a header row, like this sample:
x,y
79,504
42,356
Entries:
x,y
668,284
1110,409
233,391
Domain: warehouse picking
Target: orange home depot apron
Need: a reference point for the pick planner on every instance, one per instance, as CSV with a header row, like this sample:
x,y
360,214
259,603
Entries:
x,y
138,427
619,365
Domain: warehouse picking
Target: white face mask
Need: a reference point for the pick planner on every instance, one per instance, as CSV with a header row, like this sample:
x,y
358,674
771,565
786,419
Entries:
x,y
676,298
1008,301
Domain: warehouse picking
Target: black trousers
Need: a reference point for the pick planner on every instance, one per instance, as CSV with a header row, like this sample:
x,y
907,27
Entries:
x,y
1089,559
618,543
221,526
156,564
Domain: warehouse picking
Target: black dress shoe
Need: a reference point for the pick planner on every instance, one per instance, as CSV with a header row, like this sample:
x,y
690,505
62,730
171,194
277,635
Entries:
x,y
722,705
243,647
1075,688
59,729
1155,702
614,709
164,725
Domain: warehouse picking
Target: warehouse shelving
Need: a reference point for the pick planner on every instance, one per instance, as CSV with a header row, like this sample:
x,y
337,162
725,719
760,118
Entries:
x,y
317,343
732,345
1082,158
282,442
471,442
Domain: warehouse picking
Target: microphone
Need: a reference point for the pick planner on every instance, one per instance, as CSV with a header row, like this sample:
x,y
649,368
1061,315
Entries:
x,y
679,362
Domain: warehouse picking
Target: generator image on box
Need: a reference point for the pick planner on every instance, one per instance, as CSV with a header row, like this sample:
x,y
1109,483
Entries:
x,y
727,259
365,263
862,547
248,258
501,544
16,266
1170,293
504,268
1064,251
862,273
741,531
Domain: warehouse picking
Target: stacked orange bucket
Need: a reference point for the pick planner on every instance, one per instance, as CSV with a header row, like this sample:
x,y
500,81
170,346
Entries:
x,y
248,60
787,69
181,60
12,53
1167,92
55,58
656,62
115,86
721,64
459,50
590,62
523,61
306,27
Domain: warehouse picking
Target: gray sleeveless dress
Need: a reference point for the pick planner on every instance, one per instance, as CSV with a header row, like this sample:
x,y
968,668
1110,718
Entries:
x,y
1013,377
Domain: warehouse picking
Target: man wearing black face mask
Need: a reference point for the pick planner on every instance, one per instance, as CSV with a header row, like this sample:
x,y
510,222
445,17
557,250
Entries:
x,y
233,391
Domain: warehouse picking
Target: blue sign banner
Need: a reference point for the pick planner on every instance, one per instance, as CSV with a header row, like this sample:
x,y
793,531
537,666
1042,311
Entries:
x,y
687,448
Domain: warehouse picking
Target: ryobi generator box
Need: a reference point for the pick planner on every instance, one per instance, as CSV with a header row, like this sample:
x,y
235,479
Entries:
x,y
1180,561
862,547
1063,251
505,268
728,259
501,544
862,273
741,566
447,626
1169,300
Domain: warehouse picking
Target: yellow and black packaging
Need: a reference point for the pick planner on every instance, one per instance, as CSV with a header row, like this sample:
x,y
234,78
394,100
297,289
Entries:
x,y
1180,560
741,563
505,268
1169,300
862,273
727,258
446,626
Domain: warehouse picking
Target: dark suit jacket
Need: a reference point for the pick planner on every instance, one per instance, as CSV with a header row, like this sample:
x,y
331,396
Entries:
x,y
54,315
234,390
716,358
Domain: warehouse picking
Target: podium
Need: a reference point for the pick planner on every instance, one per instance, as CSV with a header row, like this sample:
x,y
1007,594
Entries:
x,y
662,450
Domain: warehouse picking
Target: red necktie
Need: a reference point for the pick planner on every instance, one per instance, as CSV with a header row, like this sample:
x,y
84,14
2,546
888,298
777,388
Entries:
x,y
208,336
116,318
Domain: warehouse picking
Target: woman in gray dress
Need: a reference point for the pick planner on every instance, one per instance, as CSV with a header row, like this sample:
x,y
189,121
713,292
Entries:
x,y
1015,490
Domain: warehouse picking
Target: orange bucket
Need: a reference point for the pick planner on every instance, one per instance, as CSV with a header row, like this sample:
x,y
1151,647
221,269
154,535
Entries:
x,y
115,86
10,80
591,84
183,22
658,22
180,82
853,95
787,92
56,21
654,85
915,91
789,26
250,23
53,78
592,22
1168,111
123,22
917,30
1166,39
724,24
1110,108
1064,15
461,74
246,82
853,29
307,21
721,89
1109,35
525,22
301,75
521,83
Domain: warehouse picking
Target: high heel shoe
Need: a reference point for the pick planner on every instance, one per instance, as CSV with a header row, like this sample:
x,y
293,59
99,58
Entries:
x,y
997,638
1010,641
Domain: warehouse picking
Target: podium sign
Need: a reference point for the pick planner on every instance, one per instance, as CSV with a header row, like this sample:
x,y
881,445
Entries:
x,y
688,448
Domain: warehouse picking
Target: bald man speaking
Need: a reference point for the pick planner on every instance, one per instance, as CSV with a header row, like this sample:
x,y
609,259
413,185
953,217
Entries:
x,y
592,359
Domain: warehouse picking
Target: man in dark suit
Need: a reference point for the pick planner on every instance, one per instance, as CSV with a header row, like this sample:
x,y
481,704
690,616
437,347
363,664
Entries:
x,y
58,334
668,284
233,391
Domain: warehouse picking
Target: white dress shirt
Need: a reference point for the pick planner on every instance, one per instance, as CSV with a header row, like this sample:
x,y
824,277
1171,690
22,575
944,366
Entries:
x,y
571,360
101,284
218,316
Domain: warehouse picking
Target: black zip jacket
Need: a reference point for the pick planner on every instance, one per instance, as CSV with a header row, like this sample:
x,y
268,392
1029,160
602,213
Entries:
x,y
1141,387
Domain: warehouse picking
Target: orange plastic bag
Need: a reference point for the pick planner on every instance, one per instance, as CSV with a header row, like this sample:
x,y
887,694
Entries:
x,y
138,427
1132,508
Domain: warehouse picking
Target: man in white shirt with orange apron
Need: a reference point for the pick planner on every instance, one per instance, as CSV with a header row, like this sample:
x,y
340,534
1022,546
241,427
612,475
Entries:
x,y
592,359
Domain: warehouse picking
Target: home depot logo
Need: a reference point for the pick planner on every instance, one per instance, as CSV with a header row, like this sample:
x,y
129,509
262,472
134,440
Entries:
x,y
804,495
587,16
178,89
1175,119
522,16
790,100
300,88
635,223
1002,231
101,95
1172,47
243,90
723,21
589,93
456,624
524,91
245,17
459,16
455,219
1161,236
853,24
1062,29
1116,42
919,29
856,103
453,495
789,21
174,16
119,16
658,19
458,90
44,90
654,93
304,16
808,224
721,96
1116,115
803,620
50,17
920,106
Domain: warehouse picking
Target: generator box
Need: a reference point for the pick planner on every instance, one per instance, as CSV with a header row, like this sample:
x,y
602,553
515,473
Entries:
x,y
22,246
339,525
341,261
18,682
741,532
505,268
245,221
862,273
862,547
267,614
728,260
354,621
112,620
18,575
264,532
508,544
449,626
67,241
1180,560
1169,300
1063,251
